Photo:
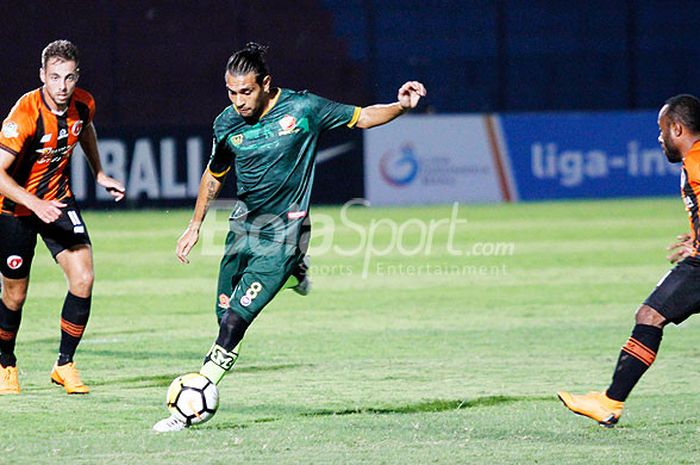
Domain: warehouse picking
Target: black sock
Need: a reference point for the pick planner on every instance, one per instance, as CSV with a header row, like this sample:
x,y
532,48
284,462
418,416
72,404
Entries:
x,y
231,330
221,356
9,325
74,317
636,357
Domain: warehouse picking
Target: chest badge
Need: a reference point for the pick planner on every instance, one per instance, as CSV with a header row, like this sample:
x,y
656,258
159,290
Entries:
x,y
237,139
77,127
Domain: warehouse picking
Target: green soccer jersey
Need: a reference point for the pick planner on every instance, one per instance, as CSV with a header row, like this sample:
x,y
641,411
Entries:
x,y
274,159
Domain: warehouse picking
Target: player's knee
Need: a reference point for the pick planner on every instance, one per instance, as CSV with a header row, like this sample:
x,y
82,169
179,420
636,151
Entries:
x,y
81,283
14,301
14,296
234,322
648,316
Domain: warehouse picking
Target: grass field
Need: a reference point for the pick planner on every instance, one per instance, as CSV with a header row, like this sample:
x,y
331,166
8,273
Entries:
x,y
408,358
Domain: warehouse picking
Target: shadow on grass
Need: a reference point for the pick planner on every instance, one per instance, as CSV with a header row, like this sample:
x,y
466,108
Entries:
x,y
426,406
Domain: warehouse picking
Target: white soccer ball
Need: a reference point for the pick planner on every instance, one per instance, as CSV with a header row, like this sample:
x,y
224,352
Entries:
x,y
193,398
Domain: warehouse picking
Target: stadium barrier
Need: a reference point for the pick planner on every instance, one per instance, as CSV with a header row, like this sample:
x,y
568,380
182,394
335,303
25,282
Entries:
x,y
417,159
511,157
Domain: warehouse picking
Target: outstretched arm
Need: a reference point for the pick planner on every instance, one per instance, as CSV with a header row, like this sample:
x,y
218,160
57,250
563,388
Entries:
x,y
88,142
408,97
209,188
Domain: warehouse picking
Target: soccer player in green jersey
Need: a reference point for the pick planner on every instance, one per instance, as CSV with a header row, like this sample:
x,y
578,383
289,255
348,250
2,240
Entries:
x,y
269,136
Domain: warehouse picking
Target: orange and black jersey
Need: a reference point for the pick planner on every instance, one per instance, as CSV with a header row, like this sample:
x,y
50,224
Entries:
x,y
690,191
42,142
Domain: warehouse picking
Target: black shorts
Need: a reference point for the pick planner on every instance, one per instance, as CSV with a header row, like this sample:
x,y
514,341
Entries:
x,y
18,238
677,296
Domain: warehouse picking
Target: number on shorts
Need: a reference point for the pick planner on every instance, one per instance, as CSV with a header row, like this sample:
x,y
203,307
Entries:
x,y
254,290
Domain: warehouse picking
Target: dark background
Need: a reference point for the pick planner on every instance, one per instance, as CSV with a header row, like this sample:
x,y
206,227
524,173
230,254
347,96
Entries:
x,y
157,66
156,63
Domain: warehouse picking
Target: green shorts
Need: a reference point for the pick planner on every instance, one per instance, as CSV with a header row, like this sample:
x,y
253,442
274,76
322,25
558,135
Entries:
x,y
252,271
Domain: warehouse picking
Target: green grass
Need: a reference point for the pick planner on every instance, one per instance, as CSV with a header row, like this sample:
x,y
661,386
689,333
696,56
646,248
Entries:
x,y
455,360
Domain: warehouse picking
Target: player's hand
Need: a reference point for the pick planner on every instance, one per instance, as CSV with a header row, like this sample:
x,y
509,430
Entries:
x,y
410,93
115,188
680,249
48,211
188,240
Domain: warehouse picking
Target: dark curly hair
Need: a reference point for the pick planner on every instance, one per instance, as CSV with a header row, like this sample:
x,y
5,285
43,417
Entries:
x,y
61,49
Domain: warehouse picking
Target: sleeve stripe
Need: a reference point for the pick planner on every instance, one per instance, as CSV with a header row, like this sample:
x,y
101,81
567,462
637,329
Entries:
x,y
218,175
8,149
355,117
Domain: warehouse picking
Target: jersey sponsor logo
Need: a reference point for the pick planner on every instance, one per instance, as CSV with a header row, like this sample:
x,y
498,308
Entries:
x,y
288,124
46,138
62,134
48,159
76,128
14,262
224,301
10,130
49,154
296,215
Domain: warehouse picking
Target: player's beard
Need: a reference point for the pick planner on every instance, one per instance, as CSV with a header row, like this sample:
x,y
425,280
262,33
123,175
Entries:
x,y
60,99
252,115
672,152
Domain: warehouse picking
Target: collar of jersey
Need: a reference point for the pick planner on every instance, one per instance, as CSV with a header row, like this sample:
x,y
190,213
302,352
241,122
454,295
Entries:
x,y
693,153
272,104
695,146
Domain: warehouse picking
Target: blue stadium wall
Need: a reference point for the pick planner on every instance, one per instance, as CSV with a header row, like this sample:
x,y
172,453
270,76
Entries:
x,y
526,55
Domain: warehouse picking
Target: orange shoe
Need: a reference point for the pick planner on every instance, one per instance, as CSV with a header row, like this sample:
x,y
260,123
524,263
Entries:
x,y
9,380
594,405
68,376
